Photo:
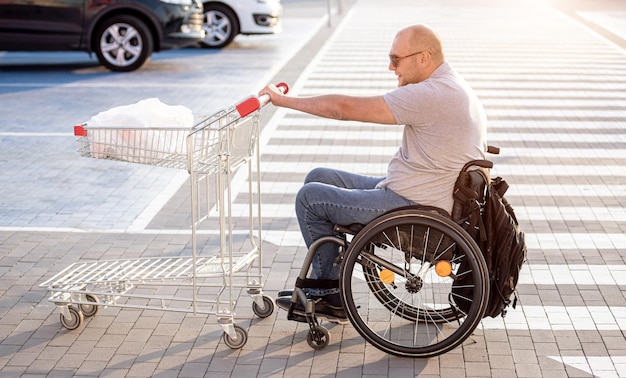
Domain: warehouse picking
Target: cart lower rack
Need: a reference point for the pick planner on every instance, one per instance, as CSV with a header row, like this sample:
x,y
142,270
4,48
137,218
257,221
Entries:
x,y
201,283
82,287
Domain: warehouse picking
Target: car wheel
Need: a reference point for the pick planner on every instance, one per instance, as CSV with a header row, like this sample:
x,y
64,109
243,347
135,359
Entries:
x,y
123,43
220,25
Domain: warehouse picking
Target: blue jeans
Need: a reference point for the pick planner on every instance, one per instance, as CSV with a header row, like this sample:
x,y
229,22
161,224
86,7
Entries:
x,y
331,197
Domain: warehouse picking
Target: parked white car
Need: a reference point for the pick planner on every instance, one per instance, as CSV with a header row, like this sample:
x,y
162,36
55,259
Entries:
x,y
225,19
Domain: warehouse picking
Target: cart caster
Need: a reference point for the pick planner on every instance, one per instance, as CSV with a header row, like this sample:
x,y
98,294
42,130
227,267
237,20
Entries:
x,y
74,320
239,341
268,307
89,310
318,338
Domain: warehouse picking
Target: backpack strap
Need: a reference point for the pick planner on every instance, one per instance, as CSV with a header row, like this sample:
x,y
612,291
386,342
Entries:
x,y
470,191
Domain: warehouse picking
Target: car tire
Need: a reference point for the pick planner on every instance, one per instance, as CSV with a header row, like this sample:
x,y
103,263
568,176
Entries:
x,y
123,43
220,25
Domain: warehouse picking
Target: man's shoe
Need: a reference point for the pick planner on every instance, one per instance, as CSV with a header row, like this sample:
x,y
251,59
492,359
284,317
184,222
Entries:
x,y
323,309
285,293
284,303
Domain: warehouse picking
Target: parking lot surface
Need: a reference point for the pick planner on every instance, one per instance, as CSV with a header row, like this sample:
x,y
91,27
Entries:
x,y
554,91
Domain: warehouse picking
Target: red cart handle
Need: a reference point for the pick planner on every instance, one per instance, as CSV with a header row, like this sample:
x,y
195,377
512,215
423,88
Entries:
x,y
252,104
80,131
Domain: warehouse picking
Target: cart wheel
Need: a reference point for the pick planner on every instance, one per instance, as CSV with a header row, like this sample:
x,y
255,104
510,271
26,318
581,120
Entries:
x,y
89,310
321,334
75,319
268,307
240,341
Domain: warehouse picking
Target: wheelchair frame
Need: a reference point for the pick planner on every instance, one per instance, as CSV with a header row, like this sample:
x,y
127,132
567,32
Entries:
x,y
413,282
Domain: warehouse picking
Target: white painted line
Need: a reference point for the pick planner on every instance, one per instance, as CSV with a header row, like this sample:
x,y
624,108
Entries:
x,y
598,366
536,190
104,84
570,213
568,153
534,241
611,20
505,170
534,213
537,241
143,220
482,85
589,125
560,318
29,134
573,274
352,150
393,132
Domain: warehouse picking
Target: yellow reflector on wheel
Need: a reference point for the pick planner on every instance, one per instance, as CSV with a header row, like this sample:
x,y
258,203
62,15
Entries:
x,y
386,276
443,268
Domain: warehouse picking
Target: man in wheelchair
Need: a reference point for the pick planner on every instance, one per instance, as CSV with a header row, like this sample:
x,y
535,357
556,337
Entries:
x,y
444,127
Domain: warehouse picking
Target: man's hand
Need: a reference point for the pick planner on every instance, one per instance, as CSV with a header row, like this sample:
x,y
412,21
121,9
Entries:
x,y
274,93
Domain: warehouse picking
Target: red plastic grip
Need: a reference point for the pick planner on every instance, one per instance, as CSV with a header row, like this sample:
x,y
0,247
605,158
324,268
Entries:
x,y
248,106
284,87
80,131
253,104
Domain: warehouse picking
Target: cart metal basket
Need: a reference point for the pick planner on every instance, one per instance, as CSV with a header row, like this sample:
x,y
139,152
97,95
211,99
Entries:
x,y
210,151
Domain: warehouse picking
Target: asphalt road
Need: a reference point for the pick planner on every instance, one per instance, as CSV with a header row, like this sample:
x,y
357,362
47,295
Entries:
x,y
44,94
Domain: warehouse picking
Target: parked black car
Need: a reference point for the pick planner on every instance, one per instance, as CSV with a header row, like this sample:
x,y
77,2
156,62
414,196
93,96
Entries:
x,y
122,33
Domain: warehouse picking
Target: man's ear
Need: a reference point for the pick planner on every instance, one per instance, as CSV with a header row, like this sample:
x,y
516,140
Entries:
x,y
424,60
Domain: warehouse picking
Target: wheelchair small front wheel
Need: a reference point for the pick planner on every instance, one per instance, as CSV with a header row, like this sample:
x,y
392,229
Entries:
x,y
318,338
414,283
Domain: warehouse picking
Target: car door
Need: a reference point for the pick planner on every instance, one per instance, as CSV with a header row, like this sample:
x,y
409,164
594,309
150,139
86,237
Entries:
x,y
41,24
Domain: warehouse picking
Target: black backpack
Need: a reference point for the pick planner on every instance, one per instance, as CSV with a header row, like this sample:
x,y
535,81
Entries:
x,y
481,209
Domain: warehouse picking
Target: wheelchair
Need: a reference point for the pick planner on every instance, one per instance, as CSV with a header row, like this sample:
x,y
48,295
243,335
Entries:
x,y
413,281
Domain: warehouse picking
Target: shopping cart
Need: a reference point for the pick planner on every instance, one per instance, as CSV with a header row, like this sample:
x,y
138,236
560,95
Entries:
x,y
203,283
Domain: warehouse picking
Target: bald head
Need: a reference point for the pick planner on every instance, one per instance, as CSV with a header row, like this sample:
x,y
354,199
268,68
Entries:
x,y
415,54
423,37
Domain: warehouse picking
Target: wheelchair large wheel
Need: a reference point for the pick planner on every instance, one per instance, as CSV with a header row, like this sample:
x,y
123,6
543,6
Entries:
x,y
414,283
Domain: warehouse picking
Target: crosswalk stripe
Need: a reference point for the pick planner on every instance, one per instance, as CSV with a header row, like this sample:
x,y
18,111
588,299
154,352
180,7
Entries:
x,y
567,190
588,125
537,241
393,134
526,170
573,274
523,213
560,318
284,238
597,366
536,190
387,151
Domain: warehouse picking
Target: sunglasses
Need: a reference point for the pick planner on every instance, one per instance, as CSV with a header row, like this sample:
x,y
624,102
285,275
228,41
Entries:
x,y
396,59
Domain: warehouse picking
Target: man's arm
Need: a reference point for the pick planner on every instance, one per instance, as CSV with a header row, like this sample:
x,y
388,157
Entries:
x,y
347,108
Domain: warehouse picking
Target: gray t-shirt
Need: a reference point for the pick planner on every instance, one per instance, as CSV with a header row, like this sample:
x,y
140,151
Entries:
x,y
444,127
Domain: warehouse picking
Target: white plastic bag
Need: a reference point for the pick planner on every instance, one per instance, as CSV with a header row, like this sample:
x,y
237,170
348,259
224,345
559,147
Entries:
x,y
142,132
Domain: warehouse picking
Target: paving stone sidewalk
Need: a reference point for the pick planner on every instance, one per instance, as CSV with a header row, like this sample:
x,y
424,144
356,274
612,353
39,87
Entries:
x,y
555,95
